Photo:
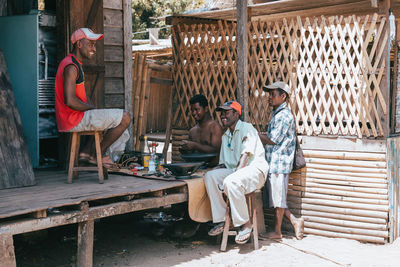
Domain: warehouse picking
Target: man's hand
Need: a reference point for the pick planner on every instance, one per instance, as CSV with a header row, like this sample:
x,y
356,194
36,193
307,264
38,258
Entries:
x,y
244,158
188,145
265,140
219,166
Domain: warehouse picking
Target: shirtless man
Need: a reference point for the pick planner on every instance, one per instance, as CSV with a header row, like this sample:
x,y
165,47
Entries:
x,y
205,136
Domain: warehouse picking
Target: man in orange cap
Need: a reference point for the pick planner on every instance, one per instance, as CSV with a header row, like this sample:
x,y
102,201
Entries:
x,y
243,169
74,111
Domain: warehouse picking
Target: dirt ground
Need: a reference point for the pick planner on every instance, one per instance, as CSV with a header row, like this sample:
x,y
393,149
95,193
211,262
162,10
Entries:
x,y
130,241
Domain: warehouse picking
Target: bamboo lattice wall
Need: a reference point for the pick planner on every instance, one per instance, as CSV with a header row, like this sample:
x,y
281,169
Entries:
x,y
204,62
335,66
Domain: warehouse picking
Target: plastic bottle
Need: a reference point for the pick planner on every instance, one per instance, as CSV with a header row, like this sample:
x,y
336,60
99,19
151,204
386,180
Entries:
x,y
146,152
152,160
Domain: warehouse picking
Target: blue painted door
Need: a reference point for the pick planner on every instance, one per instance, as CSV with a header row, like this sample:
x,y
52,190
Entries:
x,y
19,39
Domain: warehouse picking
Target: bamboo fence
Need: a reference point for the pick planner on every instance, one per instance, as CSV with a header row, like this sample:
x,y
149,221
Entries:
x,y
336,69
151,98
349,202
334,65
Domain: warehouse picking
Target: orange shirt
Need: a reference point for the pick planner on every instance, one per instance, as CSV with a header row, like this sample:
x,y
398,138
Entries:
x,y
68,118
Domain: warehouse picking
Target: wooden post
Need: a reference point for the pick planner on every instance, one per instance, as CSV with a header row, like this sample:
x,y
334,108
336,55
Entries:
x,y
385,115
7,255
127,9
242,54
260,212
169,127
85,244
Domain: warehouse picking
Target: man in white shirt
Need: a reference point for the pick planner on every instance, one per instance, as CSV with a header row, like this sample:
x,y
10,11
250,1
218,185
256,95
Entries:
x,y
242,170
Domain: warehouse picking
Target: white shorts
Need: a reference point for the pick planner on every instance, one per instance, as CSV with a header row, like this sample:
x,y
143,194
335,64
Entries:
x,y
99,120
277,185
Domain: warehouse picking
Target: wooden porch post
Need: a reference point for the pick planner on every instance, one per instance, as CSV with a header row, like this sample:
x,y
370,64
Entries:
x,y
85,244
127,9
242,54
243,84
385,116
7,255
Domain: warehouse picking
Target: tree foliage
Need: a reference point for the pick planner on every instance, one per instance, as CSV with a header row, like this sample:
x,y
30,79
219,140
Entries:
x,y
152,13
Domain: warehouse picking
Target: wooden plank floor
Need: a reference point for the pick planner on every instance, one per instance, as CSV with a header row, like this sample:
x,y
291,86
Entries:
x,y
52,191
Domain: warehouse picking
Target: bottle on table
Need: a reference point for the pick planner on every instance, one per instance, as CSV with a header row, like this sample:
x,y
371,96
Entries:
x,y
146,152
153,159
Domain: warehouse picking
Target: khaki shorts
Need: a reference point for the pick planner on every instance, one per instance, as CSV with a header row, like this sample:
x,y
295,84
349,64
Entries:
x,y
99,120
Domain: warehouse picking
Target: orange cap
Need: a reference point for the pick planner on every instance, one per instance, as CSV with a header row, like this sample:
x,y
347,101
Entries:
x,y
231,105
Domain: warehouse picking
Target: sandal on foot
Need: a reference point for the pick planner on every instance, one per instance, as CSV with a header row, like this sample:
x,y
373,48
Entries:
x,y
243,236
217,229
107,162
84,157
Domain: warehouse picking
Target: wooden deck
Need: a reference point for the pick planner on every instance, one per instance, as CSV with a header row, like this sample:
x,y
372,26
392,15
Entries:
x,y
52,192
52,202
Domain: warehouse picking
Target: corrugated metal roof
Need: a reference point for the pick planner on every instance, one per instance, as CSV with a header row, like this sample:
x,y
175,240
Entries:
x,y
163,44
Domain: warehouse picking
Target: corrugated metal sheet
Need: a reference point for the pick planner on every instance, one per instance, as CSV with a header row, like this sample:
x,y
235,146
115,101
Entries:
x,y
163,44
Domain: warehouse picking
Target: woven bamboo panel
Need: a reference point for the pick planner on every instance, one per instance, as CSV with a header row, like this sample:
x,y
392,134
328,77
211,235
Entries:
x,y
340,194
204,62
335,66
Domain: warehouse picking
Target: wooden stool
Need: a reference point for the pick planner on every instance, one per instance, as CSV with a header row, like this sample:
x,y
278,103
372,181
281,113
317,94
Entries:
x,y
73,157
250,198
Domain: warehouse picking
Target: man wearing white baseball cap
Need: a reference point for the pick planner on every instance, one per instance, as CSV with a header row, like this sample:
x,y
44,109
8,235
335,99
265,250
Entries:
x,y
280,144
74,111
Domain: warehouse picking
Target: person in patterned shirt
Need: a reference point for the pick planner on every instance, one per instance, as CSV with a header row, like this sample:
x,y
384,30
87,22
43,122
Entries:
x,y
280,144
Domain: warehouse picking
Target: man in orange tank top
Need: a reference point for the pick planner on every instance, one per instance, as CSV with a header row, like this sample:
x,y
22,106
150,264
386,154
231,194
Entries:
x,y
74,111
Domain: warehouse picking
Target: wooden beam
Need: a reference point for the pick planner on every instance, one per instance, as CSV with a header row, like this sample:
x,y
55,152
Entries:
x,y
127,22
157,80
189,19
93,13
31,225
85,244
7,255
344,9
242,54
287,6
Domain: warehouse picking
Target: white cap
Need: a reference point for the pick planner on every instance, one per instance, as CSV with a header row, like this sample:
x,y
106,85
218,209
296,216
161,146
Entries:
x,y
85,33
278,85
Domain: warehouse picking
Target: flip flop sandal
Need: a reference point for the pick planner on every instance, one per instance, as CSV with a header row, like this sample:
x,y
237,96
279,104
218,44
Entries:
x,y
217,229
107,162
84,157
243,236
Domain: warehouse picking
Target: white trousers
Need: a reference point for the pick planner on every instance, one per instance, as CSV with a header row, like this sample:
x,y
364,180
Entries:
x,y
236,185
